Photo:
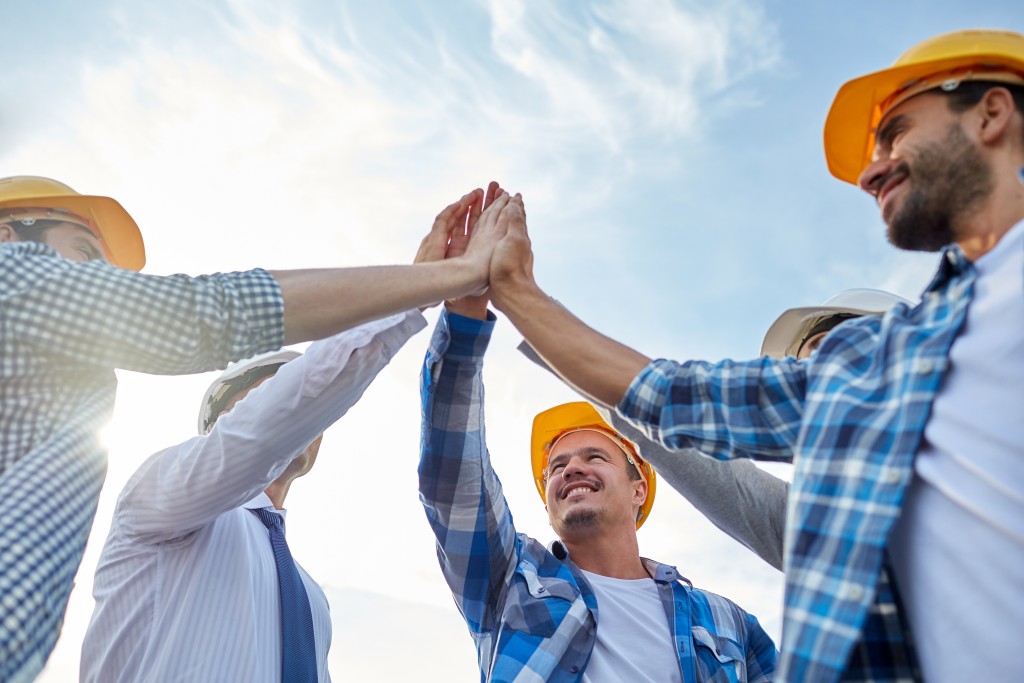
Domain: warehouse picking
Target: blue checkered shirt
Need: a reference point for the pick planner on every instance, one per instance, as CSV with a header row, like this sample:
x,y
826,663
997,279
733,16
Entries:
x,y
530,610
851,418
64,327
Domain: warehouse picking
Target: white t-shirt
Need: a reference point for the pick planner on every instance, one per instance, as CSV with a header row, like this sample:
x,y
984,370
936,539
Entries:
x,y
958,547
634,640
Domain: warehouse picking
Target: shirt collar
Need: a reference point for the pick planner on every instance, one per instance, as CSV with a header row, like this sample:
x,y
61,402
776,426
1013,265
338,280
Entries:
x,y
952,266
261,500
662,573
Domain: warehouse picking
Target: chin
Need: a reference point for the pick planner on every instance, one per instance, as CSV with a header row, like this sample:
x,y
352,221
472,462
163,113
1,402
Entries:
x,y
580,519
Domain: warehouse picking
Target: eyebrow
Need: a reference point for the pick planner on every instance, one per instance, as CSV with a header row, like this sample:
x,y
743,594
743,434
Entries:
x,y
586,450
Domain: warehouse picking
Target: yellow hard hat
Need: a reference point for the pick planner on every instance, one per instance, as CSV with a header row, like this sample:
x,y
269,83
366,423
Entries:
x,y
43,198
555,422
943,61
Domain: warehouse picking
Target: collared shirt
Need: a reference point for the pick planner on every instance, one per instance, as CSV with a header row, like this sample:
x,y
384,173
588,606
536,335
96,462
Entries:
x,y
186,586
852,418
530,610
64,326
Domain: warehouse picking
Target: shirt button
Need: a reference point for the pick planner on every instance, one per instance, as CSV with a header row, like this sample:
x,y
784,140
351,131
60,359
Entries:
x,y
891,476
926,366
854,593
541,589
574,669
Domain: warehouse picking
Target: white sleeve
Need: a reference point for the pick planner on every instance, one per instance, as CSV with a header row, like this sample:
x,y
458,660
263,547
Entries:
x,y
186,486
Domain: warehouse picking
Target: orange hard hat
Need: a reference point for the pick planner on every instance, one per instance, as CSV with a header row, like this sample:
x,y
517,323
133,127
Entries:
x,y
556,422
944,61
35,197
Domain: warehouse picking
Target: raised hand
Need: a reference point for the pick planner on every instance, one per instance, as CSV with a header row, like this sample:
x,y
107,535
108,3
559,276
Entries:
x,y
512,261
473,306
450,222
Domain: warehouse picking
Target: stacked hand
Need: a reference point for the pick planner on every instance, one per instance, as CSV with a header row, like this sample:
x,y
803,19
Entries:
x,y
487,230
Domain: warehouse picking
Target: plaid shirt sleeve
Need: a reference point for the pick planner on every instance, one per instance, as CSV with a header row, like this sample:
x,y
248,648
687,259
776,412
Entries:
x,y
100,315
726,410
461,495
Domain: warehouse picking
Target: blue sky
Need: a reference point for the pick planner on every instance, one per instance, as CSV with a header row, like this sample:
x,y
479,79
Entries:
x,y
669,154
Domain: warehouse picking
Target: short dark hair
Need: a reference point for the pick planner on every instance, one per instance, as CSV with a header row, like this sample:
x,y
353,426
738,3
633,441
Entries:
x,y
633,471
34,231
969,93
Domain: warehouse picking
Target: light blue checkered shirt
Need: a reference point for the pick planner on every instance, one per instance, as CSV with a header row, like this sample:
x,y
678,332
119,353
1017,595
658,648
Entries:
x,y
854,415
64,327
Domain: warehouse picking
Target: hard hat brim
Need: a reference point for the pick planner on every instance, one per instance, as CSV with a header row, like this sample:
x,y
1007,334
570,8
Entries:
x,y
782,333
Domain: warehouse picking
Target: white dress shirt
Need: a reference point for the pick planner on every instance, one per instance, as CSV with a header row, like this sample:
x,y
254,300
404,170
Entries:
x,y
186,586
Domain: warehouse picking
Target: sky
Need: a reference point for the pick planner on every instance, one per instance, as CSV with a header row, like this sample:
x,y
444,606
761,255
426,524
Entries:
x,y
669,154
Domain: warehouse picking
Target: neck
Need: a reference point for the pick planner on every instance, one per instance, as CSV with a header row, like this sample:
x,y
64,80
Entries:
x,y
613,555
1003,210
278,491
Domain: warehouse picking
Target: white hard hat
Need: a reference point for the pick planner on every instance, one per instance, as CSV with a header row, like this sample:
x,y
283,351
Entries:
x,y
791,328
237,377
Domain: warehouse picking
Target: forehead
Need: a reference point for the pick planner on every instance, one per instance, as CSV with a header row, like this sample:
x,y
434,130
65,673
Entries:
x,y
575,441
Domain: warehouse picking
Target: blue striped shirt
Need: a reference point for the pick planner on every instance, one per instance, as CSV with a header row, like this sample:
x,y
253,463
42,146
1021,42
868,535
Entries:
x,y
64,327
852,419
530,610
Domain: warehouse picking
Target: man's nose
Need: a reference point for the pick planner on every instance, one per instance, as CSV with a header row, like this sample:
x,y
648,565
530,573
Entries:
x,y
871,178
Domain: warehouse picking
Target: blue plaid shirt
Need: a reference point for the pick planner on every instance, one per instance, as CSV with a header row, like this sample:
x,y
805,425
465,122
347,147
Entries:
x,y
64,327
529,609
851,418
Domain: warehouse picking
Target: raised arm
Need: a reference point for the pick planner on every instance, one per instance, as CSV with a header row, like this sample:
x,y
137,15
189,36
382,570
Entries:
x,y
103,316
186,486
461,495
753,408
736,495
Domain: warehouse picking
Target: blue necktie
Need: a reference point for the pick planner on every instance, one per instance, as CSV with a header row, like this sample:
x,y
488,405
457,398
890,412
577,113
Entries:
x,y
298,647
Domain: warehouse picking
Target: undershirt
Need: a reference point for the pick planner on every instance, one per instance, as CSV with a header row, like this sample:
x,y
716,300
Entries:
x,y
958,546
634,641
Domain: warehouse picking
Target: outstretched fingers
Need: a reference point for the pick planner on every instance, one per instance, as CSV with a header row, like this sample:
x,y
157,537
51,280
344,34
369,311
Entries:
x,y
449,223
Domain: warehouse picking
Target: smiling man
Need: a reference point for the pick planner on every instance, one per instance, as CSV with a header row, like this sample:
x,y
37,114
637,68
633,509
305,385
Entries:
x,y
589,607
905,530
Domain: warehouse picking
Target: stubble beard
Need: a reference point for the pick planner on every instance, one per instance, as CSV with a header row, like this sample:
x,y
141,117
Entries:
x,y
950,179
581,519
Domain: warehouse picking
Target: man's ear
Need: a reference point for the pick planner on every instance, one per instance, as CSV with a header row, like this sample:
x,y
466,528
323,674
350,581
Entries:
x,y
7,233
996,111
640,491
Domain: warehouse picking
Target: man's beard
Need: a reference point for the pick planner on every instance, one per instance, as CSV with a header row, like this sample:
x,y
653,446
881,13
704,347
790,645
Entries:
x,y
948,180
581,519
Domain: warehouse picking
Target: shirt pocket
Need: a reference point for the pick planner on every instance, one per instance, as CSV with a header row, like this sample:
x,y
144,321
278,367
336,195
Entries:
x,y
536,604
719,659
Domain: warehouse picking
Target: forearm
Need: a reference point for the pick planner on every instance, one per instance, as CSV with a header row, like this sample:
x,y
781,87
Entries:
x,y
98,315
736,495
190,484
318,303
597,366
461,495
